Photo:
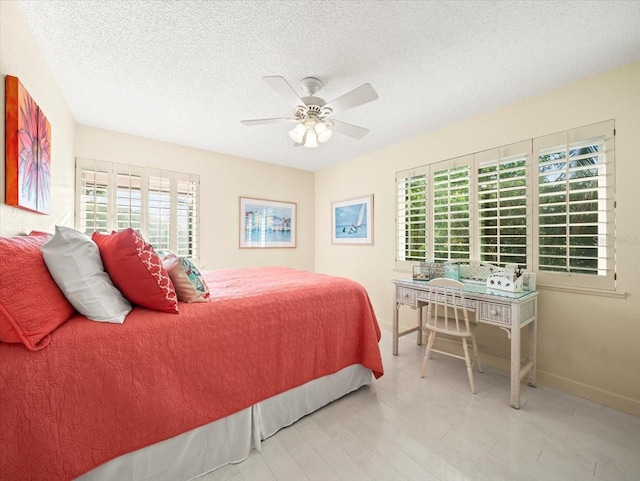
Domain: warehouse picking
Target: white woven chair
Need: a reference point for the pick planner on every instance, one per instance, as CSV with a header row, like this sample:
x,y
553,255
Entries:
x,y
446,303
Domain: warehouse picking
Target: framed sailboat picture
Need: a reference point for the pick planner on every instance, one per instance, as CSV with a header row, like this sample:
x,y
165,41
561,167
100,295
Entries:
x,y
352,221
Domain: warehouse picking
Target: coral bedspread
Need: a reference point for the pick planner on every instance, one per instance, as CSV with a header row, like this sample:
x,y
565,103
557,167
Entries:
x,y
101,390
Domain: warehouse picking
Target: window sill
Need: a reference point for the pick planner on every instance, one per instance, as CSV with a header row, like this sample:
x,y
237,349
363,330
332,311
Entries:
x,y
582,290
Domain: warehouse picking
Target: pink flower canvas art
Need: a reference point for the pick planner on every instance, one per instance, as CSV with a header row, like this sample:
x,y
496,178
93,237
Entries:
x,y
28,150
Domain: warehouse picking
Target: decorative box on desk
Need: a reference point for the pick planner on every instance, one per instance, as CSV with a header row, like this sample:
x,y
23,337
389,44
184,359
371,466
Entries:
x,y
510,279
505,282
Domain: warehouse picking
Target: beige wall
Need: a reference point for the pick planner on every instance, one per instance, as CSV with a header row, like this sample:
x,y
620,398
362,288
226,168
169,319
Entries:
x,y
588,344
223,179
21,57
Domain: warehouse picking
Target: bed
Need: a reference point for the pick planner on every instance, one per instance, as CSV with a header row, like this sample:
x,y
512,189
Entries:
x,y
166,396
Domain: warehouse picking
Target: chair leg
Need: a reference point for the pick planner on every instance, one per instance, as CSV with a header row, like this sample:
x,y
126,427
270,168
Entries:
x,y
468,362
427,353
475,353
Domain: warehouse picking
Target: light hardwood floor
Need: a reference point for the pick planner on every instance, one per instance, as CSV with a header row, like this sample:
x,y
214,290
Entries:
x,y
402,427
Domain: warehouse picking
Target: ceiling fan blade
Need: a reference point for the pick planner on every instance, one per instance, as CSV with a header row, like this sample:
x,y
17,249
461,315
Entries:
x,y
280,85
349,129
249,123
356,97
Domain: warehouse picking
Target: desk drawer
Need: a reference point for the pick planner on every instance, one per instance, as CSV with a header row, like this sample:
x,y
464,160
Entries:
x,y
495,313
424,296
406,296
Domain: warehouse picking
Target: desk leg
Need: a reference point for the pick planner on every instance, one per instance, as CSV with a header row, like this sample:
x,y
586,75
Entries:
x,y
515,365
395,328
533,344
419,324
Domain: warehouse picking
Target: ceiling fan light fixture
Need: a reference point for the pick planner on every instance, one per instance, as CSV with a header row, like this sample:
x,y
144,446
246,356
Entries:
x,y
297,133
310,113
312,140
323,131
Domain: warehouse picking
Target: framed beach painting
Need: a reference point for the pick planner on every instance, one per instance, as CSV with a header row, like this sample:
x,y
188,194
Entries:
x,y
352,221
27,150
267,223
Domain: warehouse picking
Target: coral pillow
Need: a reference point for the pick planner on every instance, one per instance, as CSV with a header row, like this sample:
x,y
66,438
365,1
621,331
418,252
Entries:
x,y
31,304
136,270
186,278
39,233
74,262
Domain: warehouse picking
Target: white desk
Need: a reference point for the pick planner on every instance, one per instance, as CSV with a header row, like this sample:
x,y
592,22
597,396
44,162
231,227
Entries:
x,y
509,311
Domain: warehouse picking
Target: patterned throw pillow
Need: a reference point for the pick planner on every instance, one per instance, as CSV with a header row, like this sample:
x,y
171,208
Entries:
x,y
31,304
186,278
136,270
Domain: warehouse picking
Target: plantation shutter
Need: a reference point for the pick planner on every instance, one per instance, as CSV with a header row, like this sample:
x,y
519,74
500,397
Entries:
x,y
128,201
574,209
159,212
187,216
503,206
451,214
162,205
411,220
92,198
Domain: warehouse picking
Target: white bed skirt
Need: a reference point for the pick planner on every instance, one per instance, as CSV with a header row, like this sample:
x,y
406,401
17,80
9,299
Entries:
x,y
229,440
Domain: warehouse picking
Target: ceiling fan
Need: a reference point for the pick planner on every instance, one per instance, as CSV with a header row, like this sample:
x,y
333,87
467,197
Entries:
x,y
312,115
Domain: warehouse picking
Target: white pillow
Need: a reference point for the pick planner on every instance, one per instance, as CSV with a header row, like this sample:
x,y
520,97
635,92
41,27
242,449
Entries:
x,y
74,262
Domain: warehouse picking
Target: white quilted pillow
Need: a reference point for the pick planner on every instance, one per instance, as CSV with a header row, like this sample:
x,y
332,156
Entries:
x,y
74,262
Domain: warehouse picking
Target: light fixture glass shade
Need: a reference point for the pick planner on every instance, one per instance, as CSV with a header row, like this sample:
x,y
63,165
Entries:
x,y
323,131
297,133
311,140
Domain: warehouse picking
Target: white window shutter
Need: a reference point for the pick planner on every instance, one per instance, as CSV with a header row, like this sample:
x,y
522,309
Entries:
x,y
128,199
574,211
92,197
546,204
504,205
162,205
159,211
411,216
187,216
451,190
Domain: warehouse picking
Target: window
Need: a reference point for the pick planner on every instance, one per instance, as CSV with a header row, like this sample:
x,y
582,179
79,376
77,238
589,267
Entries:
x,y
128,201
93,210
159,208
411,199
451,187
503,207
163,205
545,204
574,210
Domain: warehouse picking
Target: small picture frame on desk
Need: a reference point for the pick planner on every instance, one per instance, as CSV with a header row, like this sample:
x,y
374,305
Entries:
x,y
421,273
425,271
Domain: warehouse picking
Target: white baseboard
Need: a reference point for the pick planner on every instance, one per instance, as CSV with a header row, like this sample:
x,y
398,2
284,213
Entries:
x,y
608,398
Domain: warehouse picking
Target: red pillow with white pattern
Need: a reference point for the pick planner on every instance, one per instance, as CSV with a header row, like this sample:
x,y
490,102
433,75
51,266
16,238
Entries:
x,y
31,303
136,270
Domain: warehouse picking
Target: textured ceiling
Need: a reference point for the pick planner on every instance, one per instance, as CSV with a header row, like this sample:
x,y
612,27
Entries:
x,y
188,71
